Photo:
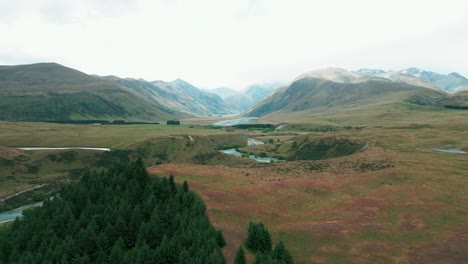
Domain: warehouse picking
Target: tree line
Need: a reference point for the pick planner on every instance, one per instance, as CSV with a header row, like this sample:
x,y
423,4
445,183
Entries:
x,y
117,216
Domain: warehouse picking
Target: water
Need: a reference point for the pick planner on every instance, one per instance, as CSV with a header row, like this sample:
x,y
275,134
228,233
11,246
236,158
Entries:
x,y
63,148
9,216
18,212
453,151
236,121
236,153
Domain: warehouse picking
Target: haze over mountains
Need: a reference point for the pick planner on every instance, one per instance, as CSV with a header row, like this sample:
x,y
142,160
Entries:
x,y
244,100
52,92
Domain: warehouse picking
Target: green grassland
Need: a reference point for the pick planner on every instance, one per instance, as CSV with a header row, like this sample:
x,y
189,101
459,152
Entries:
x,y
17,134
396,201
22,170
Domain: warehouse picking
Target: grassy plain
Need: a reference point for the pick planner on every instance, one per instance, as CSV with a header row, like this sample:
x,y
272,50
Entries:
x,y
398,201
31,134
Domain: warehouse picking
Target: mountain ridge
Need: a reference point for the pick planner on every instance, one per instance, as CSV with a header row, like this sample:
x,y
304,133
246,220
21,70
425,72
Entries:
x,y
451,82
330,89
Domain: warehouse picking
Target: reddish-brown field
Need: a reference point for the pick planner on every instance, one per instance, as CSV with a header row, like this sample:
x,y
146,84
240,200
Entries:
x,y
378,206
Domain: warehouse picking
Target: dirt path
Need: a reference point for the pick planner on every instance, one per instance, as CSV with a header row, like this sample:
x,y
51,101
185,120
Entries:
x,y
23,191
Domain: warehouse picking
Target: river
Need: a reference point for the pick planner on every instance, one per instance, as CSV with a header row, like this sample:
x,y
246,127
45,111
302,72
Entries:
x,y
18,212
236,121
234,152
453,151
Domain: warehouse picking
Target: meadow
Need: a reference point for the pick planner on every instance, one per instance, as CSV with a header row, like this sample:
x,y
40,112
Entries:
x,y
397,201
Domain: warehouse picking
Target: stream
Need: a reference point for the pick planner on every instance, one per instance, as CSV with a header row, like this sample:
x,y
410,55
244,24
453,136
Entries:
x,y
236,121
453,151
18,212
234,152
250,142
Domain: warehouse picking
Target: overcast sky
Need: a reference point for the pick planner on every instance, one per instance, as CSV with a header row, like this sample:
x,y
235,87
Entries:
x,y
213,43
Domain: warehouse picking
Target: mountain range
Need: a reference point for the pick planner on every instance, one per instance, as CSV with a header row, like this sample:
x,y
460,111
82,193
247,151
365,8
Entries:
x,y
334,89
451,83
52,92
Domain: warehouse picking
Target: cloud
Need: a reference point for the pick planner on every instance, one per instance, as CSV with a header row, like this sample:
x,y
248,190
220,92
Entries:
x,y
234,43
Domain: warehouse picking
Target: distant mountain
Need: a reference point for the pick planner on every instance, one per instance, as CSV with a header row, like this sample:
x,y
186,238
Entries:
x,y
396,77
371,72
331,89
246,99
336,75
450,83
52,92
203,102
179,96
224,92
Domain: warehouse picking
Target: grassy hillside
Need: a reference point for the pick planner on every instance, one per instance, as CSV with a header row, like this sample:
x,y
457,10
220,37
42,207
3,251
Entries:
x,y
319,95
456,101
198,101
51,92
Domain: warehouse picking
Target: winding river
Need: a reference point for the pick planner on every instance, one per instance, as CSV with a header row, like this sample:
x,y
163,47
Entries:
x,y
234,152
250,142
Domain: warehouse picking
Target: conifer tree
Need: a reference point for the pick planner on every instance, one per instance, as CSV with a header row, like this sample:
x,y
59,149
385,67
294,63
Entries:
x,y
281,254
240,256
220,239
185,186
110,217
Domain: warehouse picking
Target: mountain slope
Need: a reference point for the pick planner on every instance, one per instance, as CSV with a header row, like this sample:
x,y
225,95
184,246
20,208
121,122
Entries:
x,y
458,100
52,92
243,101
202,102
178,96
312,94
224,92
451,83
397,77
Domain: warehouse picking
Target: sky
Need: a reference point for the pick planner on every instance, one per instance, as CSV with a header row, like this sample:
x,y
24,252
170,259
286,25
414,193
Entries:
x,y
234,43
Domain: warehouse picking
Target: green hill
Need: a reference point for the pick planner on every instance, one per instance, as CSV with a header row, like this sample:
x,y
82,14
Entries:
x,y
52,92
456,101
314,94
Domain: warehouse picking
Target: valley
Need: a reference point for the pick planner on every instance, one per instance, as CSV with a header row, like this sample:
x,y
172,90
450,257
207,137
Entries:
x,y
388,203
360,174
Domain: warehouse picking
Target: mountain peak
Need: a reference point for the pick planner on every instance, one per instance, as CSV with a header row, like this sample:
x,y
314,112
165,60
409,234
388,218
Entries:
x,y
334,74
457,75
370,72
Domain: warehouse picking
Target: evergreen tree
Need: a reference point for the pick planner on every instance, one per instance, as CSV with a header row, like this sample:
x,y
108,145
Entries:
x,y
220,239
172,183
264,258
185,186
281,254
117,254
118,216
258,238
240,256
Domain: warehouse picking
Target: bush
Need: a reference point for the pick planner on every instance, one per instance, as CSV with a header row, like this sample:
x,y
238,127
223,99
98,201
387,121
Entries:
x,y
38,196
